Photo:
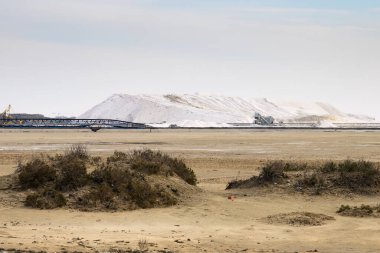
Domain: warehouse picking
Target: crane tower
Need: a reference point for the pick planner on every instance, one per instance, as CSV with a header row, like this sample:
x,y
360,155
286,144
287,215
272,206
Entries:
x,y
7,113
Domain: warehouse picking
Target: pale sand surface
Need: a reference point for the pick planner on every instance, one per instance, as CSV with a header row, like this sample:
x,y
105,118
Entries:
x,y
210,221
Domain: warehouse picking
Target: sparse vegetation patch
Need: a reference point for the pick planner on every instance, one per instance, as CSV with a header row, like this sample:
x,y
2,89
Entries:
x,y
299,219
46,199
35,173
139,179
316,178
361,211
152,162
272,172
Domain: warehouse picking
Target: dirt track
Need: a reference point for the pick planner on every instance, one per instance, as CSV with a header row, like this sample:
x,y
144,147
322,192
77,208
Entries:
x,y
210,221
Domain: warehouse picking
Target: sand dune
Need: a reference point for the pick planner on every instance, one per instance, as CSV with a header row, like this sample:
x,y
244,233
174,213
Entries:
x,y
209,221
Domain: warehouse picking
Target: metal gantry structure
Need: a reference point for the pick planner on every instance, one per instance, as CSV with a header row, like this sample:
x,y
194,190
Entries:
x,y
97,124
93,124
263,120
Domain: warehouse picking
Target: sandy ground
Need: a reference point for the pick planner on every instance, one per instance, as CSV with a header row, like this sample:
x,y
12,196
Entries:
x,y
209,221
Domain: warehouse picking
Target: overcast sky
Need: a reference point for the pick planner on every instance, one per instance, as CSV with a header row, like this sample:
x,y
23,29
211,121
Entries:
x,y
65,56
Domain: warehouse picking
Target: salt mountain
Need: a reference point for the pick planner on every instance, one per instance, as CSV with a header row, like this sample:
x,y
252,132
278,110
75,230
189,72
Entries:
x,y
194,110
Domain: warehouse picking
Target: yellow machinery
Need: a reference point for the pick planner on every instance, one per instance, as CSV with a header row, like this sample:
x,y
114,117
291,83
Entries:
x,y
7,113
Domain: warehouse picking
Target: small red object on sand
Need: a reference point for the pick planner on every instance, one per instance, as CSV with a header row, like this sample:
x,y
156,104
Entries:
x,y
231,197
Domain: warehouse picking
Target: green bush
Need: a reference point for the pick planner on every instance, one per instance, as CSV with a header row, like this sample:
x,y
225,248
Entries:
x,y
35,173
46,199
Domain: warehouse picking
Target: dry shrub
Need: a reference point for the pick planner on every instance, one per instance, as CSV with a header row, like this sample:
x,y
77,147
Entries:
x,y
128,185
78,151
357,174
314,181
66,172
179,167
146,167
147,196
118,156
362,211
46,199
329,167
294,166
272,172
354,176
99,196
35,173
72,168
142,193
167,165
143,245
114,176
154,162
72,172
123,181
